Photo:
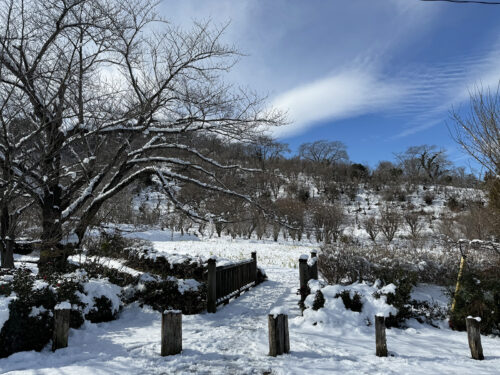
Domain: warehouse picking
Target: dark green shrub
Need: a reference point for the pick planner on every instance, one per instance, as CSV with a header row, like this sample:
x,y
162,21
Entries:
x,y
479,296
319,300
23,330
115,276
352,303
102,310
165,294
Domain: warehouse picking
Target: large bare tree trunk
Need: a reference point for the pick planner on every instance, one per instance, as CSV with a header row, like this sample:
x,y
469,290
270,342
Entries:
x,y
6,243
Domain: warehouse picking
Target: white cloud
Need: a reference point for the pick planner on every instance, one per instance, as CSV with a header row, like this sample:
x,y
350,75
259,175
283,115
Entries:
x,y
346,94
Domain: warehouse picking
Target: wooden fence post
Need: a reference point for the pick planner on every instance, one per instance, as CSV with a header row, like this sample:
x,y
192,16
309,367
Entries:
x,y
279,339
254,267
304,277
380,339
313,269
61,326
171,332
474,336
212,286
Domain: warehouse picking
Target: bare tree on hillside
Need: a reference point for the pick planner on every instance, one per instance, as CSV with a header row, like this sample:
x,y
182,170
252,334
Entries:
x,y
425,162
323,151
412,220
372,227
109,94
390,220
329,222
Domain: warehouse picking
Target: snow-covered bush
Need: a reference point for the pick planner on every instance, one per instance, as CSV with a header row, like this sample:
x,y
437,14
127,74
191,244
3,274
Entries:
x,y
189,296
27,319
27,306
371,297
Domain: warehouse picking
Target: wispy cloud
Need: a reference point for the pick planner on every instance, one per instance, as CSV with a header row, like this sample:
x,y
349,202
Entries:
x,y
346,94
421,95
446,86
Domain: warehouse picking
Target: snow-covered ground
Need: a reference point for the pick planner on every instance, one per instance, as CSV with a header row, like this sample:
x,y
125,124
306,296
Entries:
x,y
234,340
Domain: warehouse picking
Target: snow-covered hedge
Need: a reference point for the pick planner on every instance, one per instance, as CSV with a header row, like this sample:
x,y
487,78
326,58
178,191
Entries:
x,y
27,306
141,255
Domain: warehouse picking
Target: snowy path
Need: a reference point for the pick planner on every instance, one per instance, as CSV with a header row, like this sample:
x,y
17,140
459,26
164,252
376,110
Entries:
x,y
234,341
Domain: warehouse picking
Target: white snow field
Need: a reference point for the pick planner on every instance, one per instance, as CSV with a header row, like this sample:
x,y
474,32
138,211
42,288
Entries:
x,y
234,340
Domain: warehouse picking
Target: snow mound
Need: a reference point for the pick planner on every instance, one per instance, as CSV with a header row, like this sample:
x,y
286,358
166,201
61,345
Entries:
x,y
334,313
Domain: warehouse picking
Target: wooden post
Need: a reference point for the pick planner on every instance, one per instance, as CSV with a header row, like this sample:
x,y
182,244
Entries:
x,y
313,269
380,340
239,279
474,336
304,277
171,332
254,269
61,326
212,287
279,339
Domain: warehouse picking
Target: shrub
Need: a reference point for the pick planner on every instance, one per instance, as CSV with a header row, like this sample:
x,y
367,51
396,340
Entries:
x,y
165,294
428,198
479,296
102,310
350,263
25,330
404,280
30,323
352,303
454,205
390,220
140,255
343,264
319,300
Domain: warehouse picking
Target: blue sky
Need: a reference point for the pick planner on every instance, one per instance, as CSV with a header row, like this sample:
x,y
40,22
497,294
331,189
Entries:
x,y
378,75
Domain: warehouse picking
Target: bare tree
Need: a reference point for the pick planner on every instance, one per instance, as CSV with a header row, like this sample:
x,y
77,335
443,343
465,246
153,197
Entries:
x,y
267,149
426,162
412,220
323,151
110,93
478,132
389,222
371,227
328,221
